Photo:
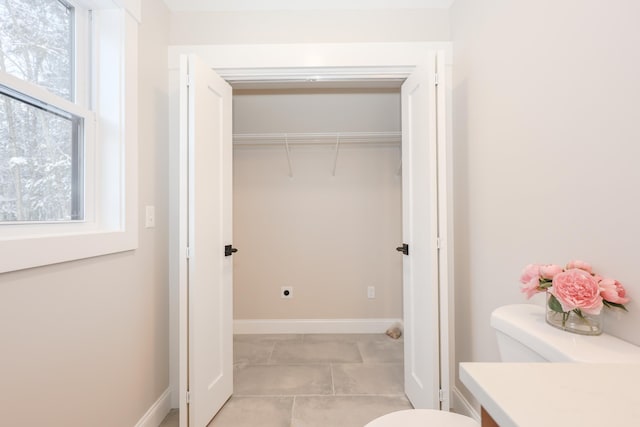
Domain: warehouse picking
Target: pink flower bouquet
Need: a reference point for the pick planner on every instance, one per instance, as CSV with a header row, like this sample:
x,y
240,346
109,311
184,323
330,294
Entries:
x,y
575,288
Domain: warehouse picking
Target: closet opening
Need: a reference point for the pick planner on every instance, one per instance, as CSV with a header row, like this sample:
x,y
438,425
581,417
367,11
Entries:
x,y
203,192
317,206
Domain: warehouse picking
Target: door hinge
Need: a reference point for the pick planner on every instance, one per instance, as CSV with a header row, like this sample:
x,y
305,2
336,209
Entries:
x,y
437,79
438,243
189,80
188,397
188,252
441,395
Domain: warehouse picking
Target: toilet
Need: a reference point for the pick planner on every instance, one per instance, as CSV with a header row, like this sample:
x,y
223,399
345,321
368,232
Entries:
x,y
524,337
423,418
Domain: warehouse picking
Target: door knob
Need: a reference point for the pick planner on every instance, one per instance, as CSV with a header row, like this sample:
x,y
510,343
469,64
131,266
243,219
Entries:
x,y
229,250
404,249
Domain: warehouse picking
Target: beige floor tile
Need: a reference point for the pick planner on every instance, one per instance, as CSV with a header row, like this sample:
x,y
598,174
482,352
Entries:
x,y
369,378
282,380
316,352
257,352
256,349
255,411
345,338
172,419
390,350
275,373
343,411
267,337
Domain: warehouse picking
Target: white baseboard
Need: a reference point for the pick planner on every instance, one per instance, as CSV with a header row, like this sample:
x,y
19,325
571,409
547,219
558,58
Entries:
x,y
157,412
462,405
312,326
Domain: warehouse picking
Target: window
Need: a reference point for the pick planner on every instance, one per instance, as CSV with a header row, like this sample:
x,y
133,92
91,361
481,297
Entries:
x,y
41,145
68,183
42,165
37,43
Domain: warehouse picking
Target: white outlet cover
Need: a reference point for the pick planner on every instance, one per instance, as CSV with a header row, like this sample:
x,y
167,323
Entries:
x,y
371,292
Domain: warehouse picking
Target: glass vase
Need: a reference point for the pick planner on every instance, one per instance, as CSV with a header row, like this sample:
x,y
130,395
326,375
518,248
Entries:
x,y
575,321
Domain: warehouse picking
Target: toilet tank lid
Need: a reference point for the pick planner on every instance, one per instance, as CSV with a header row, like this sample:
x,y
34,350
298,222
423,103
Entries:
x,y
526,324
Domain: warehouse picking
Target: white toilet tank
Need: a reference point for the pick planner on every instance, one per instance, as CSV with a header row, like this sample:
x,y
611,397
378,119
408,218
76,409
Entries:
x,y
524,336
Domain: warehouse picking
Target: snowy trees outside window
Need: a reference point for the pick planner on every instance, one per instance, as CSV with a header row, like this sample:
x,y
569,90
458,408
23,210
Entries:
x,y
41,163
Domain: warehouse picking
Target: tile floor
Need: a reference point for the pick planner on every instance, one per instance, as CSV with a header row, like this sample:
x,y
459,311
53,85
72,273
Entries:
x,y
317,380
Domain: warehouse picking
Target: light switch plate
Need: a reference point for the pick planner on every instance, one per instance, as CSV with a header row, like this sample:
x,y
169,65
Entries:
x,y
150,217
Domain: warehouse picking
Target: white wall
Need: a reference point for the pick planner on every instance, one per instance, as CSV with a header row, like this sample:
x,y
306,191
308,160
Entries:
x,y
330,237
546,150
316,110
339,26
86,343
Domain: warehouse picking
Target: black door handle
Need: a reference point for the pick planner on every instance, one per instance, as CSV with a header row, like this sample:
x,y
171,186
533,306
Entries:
x,y
229,250
404,249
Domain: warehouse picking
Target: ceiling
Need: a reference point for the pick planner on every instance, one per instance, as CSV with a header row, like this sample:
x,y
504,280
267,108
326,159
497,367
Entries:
x,y
266,5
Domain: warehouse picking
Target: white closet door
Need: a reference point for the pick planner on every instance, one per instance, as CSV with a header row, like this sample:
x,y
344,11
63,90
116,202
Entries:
x,y
206,129
420,225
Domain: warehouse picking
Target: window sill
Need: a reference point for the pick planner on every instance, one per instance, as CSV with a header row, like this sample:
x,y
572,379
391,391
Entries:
x,y
22,253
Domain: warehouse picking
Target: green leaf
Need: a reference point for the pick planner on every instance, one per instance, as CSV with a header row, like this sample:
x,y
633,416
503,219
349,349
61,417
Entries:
x,y
554,304
545,285
614,304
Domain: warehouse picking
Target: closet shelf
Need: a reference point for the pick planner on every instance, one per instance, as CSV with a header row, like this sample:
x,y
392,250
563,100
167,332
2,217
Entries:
x,y
335,139
327,138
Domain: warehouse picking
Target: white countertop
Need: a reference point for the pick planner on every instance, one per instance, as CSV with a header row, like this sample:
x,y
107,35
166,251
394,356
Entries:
x,y
556,394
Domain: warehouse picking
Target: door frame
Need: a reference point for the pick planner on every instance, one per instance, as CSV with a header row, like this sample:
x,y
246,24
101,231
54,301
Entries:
x,y
330,61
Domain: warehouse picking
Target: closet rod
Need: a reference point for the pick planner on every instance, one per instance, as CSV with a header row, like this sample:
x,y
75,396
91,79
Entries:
x,y
317,138
335,158
286,145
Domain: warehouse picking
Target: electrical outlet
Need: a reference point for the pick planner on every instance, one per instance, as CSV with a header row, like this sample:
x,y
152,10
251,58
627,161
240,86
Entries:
x,y
371,292
286,292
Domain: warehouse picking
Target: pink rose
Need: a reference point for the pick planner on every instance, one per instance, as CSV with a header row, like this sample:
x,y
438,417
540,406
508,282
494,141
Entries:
x,y
580,265
530,280
530,272
549,271
530,289
576,288
611,290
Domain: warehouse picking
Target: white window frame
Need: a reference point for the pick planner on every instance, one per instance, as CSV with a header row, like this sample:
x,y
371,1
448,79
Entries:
x,y
111,156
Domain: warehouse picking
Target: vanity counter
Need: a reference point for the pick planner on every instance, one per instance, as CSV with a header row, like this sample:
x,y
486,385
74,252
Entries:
x,y
556,394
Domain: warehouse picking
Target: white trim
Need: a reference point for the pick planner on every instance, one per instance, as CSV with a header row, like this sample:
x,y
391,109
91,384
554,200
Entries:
x,y
43,95
302,59
177,241
312,326
445,231
280,5
462,406
183,229
132,7
157,412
